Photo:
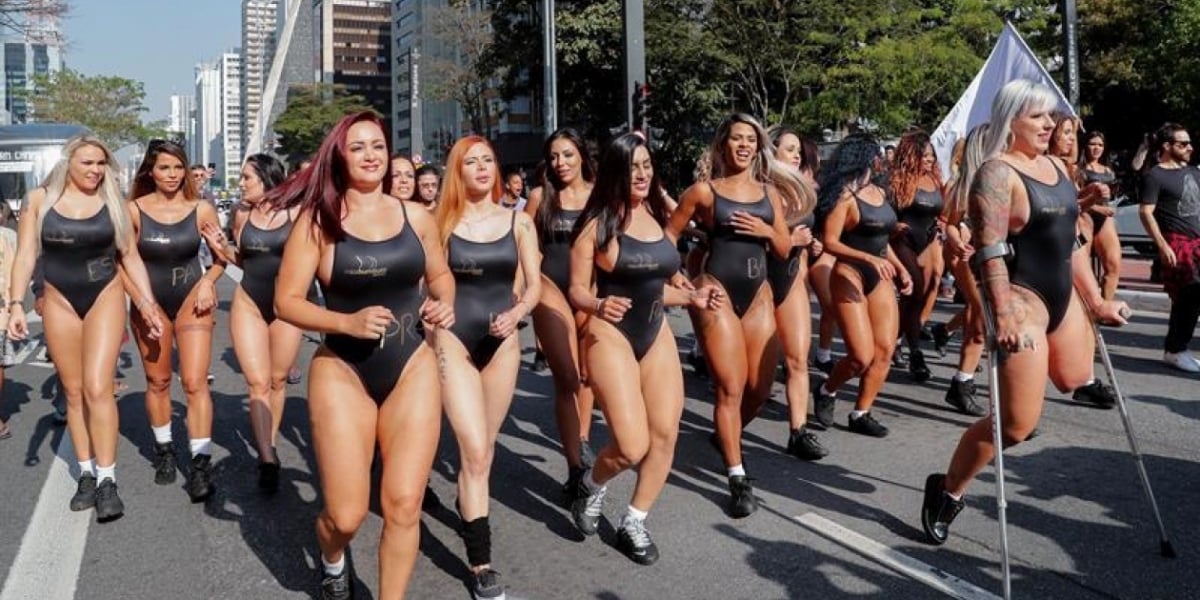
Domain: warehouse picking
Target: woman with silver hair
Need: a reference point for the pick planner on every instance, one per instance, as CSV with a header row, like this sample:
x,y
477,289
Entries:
x,y
79,225
741,210
1022,210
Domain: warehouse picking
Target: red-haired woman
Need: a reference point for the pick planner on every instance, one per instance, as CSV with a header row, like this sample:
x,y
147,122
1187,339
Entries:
x,y
490,248
265,346
374,380
621,244
79,225
916,191
167,217
566,184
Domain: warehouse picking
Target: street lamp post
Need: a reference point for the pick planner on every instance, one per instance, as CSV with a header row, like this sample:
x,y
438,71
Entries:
x,y
635,57
550,76
1071,49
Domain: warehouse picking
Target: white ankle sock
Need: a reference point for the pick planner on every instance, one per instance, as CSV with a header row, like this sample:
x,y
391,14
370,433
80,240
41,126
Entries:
x,y
824,354
87,467
826,391
162,434
857,414
109,472
335,568
961,376
589,482
737,471
635,514
201,446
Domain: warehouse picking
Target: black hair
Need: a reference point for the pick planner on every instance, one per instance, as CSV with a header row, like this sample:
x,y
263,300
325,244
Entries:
x,y
609,203
852,160
551,184
1166,135
427,170
268,168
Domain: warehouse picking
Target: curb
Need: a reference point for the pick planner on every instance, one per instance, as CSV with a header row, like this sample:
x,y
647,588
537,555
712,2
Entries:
x,y
1155,302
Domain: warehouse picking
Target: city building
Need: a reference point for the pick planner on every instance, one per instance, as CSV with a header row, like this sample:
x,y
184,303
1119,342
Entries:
x,y
36,51
259,28
291,64
181,119
207,114
428,126
352,47
229,154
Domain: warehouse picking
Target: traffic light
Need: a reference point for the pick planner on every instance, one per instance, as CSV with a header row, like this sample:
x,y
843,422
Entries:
x,y
641,105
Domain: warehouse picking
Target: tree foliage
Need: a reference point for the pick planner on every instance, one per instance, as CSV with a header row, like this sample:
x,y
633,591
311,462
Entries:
x,y
22,16
312,110
463,36
110,106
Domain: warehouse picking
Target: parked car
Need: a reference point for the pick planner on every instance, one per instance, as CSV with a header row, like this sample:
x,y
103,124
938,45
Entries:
x,y
1130,230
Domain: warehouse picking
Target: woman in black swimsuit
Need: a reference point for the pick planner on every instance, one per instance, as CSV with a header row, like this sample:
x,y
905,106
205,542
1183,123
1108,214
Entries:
x,y
1024,199
167,216
793,312
79,225
490,248
265,346
916,191
859,222
741,211
1104,242
566,183
621,243
375,379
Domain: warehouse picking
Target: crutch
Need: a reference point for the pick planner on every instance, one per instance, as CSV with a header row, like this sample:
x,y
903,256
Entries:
x,y
989,323
1164,544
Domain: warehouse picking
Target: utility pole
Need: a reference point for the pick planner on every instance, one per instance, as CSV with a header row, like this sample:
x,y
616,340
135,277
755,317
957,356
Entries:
x,y
1071,49
635,60
550,76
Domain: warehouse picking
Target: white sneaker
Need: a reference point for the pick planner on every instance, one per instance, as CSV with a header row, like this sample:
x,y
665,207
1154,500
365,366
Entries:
x,y
1184,361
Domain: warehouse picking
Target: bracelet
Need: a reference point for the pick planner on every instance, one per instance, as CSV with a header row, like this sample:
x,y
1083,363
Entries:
x,y
12,302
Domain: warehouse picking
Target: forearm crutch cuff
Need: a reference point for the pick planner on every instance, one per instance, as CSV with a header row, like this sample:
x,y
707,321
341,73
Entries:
x,y
986,253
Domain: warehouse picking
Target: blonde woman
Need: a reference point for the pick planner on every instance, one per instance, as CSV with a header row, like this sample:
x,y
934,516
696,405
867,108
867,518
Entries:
x,y
79,225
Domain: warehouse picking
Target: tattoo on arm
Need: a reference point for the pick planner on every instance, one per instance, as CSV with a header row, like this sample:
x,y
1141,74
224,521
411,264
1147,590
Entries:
x,y
990,205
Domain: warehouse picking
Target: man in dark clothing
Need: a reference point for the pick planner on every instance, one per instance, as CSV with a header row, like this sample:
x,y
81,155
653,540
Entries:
x,y
1170,212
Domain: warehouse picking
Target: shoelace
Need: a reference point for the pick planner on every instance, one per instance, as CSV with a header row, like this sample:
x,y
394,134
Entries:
x,y
637,532
595,503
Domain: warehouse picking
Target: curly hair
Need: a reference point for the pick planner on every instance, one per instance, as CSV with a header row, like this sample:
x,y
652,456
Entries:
x,y
906,168
850,165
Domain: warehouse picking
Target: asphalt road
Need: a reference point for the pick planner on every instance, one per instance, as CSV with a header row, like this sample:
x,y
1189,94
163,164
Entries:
x,y
1079,526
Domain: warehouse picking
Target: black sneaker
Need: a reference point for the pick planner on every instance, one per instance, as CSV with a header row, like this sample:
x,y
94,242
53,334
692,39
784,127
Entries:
x,y
742,502
822,408
1096,393
85,493
825,367
487,585
268,477
165,463
108,504
199,482
337,587
961,395
587,507
633,540
586,456
803,444
539,362
938,510
917,368
941,337
926,332
867,425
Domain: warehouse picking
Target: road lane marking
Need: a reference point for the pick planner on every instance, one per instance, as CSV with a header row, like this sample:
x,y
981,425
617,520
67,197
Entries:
x,y
895,560
26,351
51,553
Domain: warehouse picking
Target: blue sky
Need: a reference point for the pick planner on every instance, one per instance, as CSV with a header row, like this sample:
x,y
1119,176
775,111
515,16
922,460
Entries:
x,y
157,42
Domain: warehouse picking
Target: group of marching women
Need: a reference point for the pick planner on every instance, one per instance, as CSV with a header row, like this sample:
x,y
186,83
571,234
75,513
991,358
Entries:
x,y
422,301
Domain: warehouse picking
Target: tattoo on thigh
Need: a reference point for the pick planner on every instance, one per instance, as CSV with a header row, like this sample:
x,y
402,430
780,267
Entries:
x,y
442,363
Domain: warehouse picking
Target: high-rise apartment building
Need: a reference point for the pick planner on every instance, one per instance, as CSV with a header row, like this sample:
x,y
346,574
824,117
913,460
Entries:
x,y
229,163
259,27
36,51
352,47
429,126
180,120
208,106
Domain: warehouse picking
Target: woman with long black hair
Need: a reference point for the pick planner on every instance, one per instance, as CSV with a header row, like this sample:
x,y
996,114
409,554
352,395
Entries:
x,y
859,222
567,178
78,224
1104,242
620,243
374,382
265,346
742,213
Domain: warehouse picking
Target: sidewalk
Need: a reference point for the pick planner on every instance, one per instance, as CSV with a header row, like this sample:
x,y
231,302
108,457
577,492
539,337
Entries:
x,y
1136,288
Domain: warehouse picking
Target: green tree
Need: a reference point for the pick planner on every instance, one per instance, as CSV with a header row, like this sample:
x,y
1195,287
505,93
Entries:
x,y
462,31
110,106
312,110
22,16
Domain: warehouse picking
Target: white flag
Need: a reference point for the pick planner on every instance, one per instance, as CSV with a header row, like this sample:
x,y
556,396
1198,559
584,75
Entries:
x,y
1010,59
